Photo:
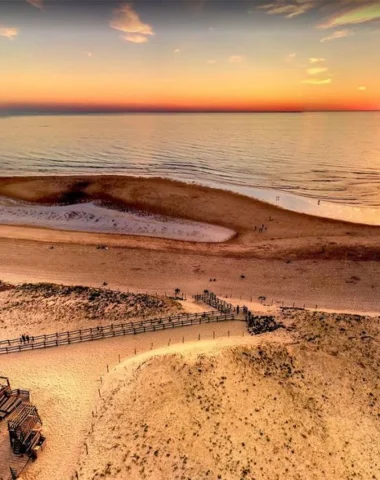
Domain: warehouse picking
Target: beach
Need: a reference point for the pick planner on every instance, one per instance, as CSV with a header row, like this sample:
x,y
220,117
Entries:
x,y
295,258
275,259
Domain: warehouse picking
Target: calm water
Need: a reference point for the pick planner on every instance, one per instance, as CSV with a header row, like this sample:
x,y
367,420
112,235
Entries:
x,y
334,157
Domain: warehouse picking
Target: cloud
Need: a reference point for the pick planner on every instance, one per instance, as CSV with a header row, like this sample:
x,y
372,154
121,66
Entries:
x,y
211,62
89,54
368,12
236,58
316,71
135,38
177,50
362,88
288,8
336,35
316,60
9,32
317,81
36,3
290,58
126,20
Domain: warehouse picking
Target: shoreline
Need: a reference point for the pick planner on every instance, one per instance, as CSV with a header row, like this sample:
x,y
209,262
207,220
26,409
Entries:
x,y
69,189
297,258
288,201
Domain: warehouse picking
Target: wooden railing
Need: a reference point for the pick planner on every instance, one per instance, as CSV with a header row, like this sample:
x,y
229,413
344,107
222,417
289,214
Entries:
x,y
108,331
256,324
213,301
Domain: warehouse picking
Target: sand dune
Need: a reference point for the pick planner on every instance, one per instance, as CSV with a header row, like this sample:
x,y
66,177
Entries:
x,y
36,309
268,411
304,401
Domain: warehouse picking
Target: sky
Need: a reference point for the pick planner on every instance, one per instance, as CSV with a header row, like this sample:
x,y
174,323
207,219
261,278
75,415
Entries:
x,y
189,55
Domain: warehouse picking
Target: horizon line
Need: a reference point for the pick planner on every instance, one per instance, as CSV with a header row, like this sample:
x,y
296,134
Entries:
x,y
43,112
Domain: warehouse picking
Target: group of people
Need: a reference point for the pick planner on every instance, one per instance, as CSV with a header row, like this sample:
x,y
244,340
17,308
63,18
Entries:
x,y
26,339
263,228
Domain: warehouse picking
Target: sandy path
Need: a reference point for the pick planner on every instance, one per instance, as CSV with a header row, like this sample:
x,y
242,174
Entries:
x,y
64,383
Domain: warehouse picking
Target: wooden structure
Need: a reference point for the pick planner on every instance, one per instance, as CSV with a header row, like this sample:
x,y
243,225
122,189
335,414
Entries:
x,y
24,426
211,299
256,324
114,330
10,399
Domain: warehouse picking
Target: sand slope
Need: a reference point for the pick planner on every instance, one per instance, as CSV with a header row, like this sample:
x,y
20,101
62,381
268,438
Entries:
x,y
35,309
308,409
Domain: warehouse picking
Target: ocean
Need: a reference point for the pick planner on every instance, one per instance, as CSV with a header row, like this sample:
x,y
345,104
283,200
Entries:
x,y
321,163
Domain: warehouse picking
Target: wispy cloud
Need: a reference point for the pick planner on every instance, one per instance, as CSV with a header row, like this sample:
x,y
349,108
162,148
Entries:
x,y
9,32
289,9
336,35
362,88
89,54
290,58
211,62
236,58
36,3
317,81
126,20
316,71
177,50
134,38
316,60
367,11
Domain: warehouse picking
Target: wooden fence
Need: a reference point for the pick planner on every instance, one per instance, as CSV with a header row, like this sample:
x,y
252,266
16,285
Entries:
x,y
211,299
256,324
109,331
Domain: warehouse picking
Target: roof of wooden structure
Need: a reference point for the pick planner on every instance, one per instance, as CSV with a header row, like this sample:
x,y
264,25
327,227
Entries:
x,y
24,418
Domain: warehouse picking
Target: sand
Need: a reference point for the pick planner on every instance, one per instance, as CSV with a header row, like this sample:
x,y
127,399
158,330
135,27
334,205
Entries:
x,y
36,309
64,383
95,217
263,408
296,260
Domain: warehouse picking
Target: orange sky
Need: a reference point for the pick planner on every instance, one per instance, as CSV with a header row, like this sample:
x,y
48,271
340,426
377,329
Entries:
x,y
207,55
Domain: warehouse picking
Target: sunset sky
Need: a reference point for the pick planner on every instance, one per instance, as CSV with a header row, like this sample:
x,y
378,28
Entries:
x,y
87,55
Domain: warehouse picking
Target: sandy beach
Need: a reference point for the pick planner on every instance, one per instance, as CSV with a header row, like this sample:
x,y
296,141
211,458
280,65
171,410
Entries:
x,y
276,259
296,258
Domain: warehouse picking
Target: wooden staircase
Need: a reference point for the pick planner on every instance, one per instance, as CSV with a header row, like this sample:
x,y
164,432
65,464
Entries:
x,y
17,447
